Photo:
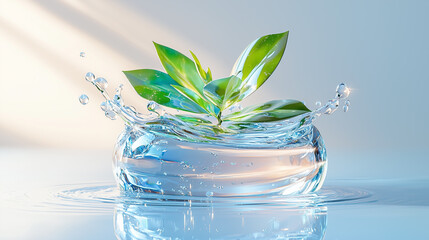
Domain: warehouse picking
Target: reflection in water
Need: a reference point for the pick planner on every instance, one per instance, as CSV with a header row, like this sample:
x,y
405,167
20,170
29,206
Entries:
x,y
148,221
83,211
185,217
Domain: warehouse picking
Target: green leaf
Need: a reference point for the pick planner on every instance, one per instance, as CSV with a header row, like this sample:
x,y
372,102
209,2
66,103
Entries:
x,y
193,119
209,75
156,86
200,69
180,68
207,106
215,90
271,111
258,61
223,92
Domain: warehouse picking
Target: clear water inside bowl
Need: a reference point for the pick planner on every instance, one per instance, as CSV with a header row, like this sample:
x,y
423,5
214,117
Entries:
x,y
148,162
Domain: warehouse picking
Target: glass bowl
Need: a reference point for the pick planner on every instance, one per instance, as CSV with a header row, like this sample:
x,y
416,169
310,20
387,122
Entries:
x,y
158,161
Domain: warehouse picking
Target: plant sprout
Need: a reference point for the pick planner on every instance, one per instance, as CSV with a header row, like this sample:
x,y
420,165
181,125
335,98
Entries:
x,y
188,87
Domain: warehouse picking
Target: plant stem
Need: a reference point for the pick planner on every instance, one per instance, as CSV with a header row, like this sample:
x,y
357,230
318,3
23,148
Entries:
x,y
219,118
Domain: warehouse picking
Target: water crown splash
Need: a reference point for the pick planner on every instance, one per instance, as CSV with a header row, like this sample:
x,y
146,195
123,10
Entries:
x,y
158,120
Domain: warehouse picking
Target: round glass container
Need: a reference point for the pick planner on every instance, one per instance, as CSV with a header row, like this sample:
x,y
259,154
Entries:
x,y
147,161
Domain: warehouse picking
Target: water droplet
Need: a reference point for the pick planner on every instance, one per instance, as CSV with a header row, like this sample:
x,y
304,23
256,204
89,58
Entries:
x,y
155,108
101,83
347,103
332,106
342,90
82,54
209,194
117,99
345,108
119,89
151,106
83,99
110,114
89,76
318,104
104,106
233,109
162,142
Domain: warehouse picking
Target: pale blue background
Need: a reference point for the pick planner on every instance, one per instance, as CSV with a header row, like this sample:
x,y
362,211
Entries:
x,y
379,48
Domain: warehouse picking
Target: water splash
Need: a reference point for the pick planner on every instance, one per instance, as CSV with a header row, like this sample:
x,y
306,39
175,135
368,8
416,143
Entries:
x,y
101,83
264,134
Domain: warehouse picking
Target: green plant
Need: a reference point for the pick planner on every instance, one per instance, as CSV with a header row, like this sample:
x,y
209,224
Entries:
x,y
187,86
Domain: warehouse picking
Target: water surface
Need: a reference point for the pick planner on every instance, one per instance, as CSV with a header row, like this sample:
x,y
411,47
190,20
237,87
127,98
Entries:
x,y
46,194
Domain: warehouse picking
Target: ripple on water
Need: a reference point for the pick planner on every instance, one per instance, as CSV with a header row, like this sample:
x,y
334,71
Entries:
x,y
102,197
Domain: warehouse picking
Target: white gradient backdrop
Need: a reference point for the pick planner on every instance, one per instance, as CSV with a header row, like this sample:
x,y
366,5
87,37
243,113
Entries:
x,y
379,48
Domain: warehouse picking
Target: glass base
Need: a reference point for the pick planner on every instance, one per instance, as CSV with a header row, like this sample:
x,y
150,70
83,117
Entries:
x,y
145,162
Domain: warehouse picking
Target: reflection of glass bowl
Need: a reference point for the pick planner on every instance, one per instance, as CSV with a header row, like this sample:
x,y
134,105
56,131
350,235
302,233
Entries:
x,y
226,222
157,162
